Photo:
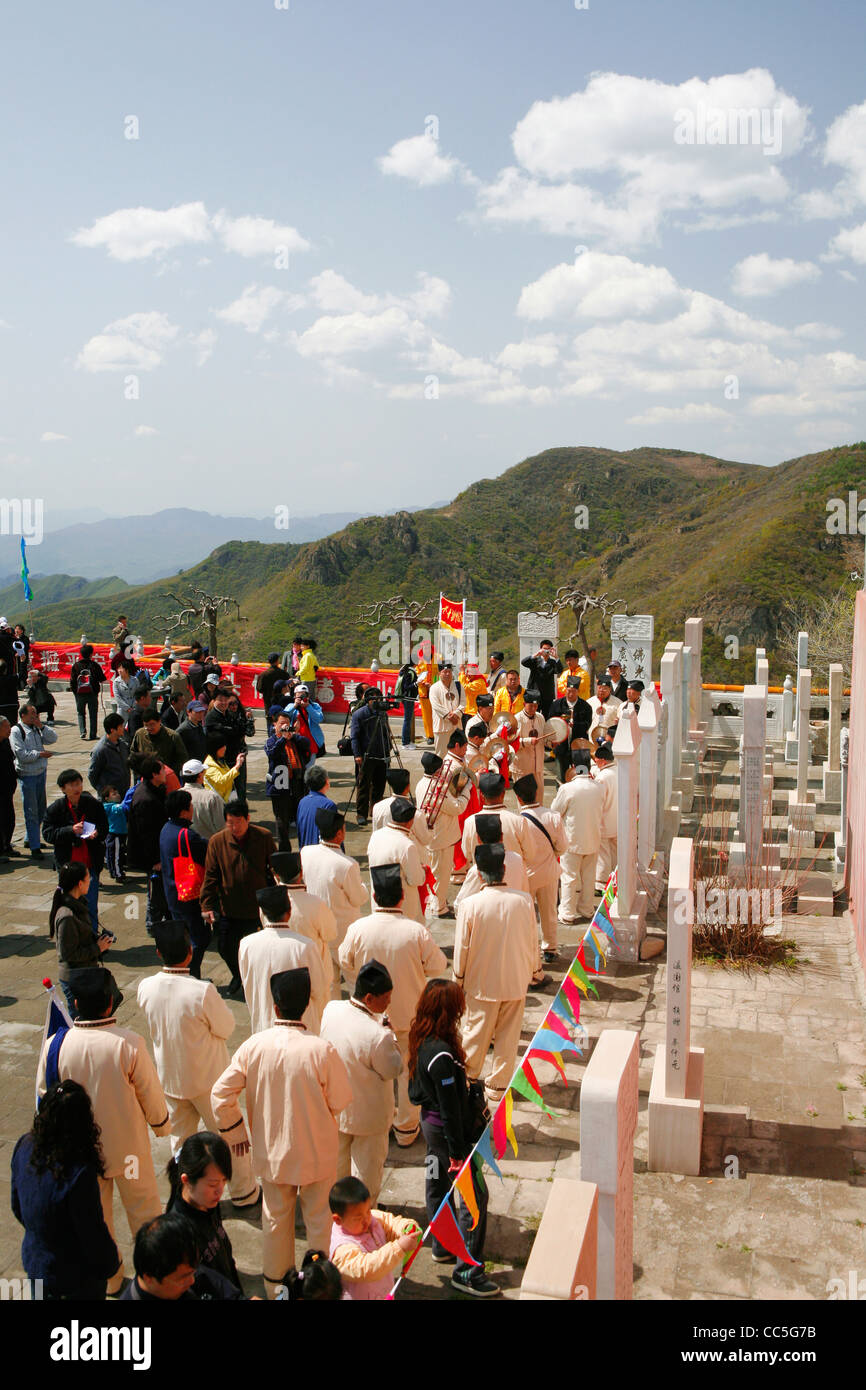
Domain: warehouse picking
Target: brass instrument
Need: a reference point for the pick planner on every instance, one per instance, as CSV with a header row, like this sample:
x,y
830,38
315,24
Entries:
x,y
505,721
445,780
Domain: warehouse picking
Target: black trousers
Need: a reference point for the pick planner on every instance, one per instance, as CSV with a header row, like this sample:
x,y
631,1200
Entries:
x,y
230,933
437,1183
7,820
284,813
200,933
87,704
371,785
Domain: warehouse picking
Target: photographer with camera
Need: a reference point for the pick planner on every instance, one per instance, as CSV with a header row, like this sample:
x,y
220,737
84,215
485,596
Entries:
x,y
370,748
305,716
543,668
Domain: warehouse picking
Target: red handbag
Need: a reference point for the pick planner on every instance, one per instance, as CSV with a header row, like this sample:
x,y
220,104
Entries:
x,y
188,875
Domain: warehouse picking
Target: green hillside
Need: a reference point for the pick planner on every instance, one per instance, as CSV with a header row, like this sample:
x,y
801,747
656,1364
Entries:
x,y
670,533
51,589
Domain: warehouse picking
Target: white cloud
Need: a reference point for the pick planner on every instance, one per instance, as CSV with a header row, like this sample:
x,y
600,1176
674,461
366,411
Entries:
x,y
599,286
334,293
660,144
339,335
850,242
255,304
845,146
541,351
762,275
257,236
133,234
693,413
135,343
49,437
793,403
418,160
144,431
204,344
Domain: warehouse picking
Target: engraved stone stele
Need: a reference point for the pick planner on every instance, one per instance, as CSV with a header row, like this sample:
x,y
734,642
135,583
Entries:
x,y
832,769
608,1119
676,1101
631,641
563,1263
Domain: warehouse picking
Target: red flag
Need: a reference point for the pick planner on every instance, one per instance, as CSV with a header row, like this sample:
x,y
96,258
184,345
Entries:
x,y
460,860
427,887
447,1232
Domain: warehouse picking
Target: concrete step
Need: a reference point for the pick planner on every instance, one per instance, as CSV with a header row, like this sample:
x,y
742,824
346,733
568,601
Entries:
x,y
815,896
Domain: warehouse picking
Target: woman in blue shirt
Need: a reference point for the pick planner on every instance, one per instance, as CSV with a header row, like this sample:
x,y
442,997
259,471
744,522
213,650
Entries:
x,y
55,1195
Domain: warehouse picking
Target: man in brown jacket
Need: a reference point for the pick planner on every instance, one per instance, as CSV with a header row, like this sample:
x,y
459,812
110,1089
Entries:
x,y
235,869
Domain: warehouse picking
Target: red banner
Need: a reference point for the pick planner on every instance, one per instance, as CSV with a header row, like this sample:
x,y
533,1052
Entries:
x,y
451,614
335,686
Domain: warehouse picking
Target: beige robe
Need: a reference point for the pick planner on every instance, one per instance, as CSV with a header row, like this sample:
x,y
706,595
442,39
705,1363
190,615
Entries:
x,y
420,832
580,804
296,1085
373,1061
393,845
115,1068
446,827
404,947
336,879
606,778
312,917
602,716
267,952
515,877
495,944
513,832
189,1024
530,755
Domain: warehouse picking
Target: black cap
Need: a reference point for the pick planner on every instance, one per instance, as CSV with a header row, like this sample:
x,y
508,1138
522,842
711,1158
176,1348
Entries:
x,y
329,821
172,940
490,859
431,762
274,902
381,875
95,988
373,978
290,991
485,702
397,779
573,682
491,785
533,695
402,810
635,684
488,828
527,787
286,864
273,656
603,754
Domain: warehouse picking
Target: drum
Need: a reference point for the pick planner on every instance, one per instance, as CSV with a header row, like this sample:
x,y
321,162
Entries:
x,y
555,730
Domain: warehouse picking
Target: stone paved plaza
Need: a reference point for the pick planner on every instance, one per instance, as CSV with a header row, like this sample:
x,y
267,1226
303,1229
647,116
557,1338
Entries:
x,y
784,1090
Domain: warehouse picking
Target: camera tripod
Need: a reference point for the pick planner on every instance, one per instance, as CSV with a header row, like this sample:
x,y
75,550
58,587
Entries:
x,y
382,737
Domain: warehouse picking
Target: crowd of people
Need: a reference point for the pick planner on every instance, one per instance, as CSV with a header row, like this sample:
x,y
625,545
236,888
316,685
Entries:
x,y
359,1030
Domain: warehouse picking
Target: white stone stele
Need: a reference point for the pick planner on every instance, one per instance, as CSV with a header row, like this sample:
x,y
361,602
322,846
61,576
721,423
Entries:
x,y
631,640
694,638
563,1263
753,861
684,763
832,770
676,1099
532,629
792,724
671,694
841,835
629,908
608,1119
650,865
801,803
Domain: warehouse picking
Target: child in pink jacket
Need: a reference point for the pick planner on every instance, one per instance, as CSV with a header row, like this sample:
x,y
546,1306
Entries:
x,y
367,1246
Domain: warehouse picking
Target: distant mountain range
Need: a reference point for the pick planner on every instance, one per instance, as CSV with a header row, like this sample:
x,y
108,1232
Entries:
x,y
667,532
151,547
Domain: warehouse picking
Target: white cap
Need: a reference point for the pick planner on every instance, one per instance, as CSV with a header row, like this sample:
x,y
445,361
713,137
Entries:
x,y
192,768
211,680
302,690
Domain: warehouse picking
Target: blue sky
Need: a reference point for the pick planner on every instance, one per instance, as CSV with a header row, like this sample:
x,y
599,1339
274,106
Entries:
x,y
338,266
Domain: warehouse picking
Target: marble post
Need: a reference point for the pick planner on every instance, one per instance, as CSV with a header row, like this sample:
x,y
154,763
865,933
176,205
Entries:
x,y
671,693
676,1100
629,908
832,788
563,1262
651,873
752,861
662,765
841,835
697,731
801,803
791,754
608,1119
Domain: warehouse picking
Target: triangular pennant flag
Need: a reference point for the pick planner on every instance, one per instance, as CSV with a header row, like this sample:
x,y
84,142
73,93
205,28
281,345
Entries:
x,y
555,1059
552,1042
447,1232
568,990
502,1127
561,1009
464,1185
579,977
525,1088
581,957
603,922
484,1152
556,1025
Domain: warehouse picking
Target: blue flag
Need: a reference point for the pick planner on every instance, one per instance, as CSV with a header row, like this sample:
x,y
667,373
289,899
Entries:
x,y
28,592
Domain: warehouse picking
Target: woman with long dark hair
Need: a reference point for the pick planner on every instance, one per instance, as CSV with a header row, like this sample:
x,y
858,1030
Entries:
x,y
198,1174
55,1195
437,1082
